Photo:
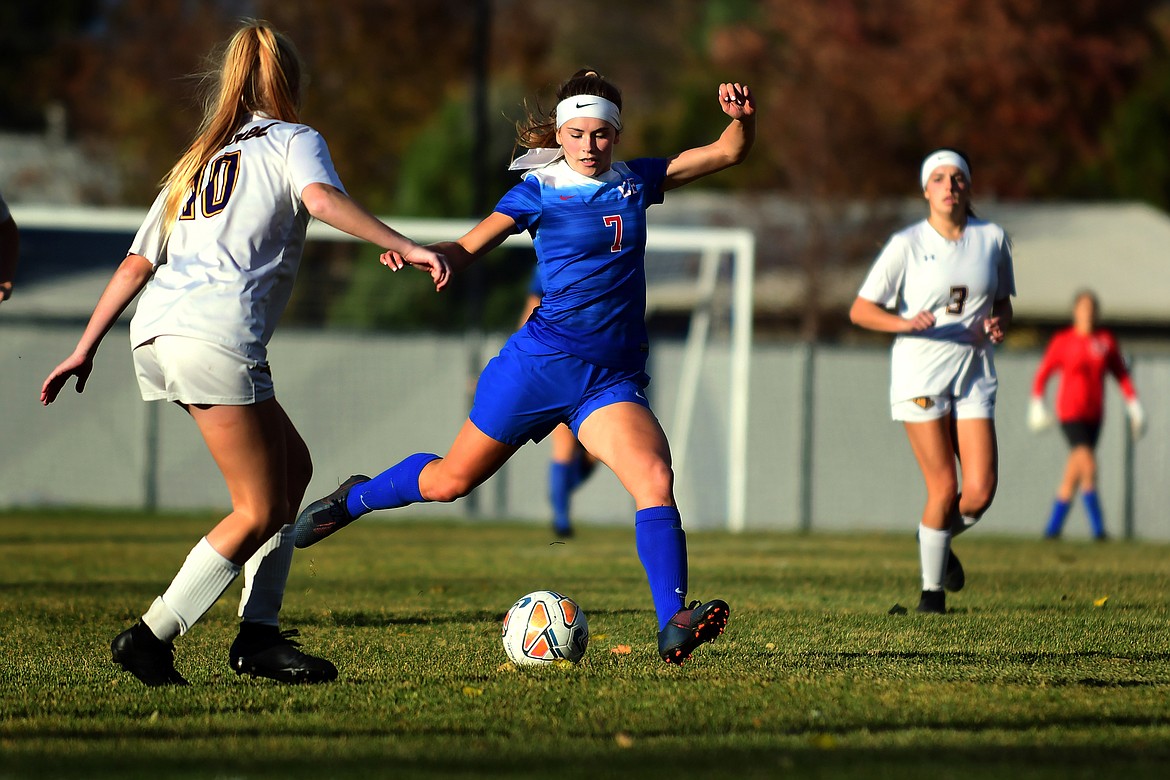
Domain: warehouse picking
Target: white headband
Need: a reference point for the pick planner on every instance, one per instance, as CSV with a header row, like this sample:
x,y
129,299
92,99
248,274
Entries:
x,y
590,106
943,157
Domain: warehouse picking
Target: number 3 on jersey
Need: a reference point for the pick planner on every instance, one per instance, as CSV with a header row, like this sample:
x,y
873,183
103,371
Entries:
x,y
615,222
958,302
221,182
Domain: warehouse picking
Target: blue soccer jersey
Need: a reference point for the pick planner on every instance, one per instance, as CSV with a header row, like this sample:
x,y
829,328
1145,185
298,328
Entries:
x,y
590,240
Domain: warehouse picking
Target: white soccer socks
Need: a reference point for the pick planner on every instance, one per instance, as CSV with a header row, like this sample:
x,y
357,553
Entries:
x,y
200,582
933,549
265,575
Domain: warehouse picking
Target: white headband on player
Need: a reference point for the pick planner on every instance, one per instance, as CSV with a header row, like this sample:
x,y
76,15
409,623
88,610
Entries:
x,y
591,107
943,157
587,106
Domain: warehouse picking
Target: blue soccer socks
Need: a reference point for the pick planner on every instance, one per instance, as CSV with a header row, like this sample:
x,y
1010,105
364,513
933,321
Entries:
x,y
1056,519
1060,511
662,548
1093,509
395,487
561,479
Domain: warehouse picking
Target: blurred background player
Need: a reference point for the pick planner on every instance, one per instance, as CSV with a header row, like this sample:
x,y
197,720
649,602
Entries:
x,y
581,357
1082,354
9,250
570,464
949,281
217,256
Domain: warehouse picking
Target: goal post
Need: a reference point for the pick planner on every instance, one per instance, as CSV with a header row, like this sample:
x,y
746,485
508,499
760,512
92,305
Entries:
x,y
714,245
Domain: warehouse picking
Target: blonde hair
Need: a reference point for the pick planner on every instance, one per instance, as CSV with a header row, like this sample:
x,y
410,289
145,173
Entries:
x,y
539,128
258,70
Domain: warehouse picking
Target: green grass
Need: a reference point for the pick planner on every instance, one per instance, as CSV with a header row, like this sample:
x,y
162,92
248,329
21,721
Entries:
x,y
1029,676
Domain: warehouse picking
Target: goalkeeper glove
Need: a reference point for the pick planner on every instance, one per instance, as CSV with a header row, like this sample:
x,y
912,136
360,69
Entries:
x,y
1137,418
1038,416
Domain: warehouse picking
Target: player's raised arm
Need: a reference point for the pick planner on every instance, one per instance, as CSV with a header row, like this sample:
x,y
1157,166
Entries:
x,y
730,149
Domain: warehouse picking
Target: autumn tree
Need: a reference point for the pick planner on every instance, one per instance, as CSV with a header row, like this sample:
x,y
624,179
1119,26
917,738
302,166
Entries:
x,y
858,91
855,92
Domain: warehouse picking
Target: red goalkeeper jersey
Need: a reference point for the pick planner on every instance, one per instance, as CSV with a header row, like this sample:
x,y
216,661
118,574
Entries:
x,y
1082,362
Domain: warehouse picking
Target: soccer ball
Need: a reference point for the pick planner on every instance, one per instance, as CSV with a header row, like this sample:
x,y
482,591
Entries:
x,y
543,627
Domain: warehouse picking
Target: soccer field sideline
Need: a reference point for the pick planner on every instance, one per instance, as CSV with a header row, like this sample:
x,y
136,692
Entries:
x,y
1052,663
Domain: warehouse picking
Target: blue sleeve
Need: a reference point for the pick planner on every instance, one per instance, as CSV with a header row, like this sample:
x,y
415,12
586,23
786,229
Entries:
x,y
652,171
522,203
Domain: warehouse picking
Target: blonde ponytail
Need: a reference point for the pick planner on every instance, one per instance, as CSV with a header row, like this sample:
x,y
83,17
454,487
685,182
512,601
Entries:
x,y
258,71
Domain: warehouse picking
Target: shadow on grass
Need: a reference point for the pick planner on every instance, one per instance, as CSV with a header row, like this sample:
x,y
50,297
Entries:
x,y
362,619
970,658
806,755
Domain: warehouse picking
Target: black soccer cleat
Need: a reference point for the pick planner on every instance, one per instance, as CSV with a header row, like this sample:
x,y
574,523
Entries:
x,y
144,655
955,578
933,602
326,516
688,628
266,651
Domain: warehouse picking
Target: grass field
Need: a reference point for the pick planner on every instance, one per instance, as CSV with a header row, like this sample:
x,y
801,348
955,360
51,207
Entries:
x,y
1054,662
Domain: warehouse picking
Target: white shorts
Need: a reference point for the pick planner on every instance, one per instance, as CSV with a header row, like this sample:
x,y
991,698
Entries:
x,y
932,407
972,397
198,372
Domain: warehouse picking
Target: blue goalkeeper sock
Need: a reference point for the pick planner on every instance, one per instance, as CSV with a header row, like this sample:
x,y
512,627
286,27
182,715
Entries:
x,y
662,548
396,486
1056,519
1093,508
560,485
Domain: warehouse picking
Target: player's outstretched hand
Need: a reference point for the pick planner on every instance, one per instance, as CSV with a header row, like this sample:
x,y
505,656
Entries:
x,y
736,100
76,365
422,258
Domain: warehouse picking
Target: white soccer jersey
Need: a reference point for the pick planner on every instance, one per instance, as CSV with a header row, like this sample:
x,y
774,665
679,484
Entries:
x,y
959,281
227,272
4,212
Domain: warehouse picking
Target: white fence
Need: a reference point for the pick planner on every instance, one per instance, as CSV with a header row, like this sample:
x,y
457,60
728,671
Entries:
x,y
821,453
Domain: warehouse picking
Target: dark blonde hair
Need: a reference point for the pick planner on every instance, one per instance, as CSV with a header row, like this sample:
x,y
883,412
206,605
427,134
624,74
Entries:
x,y
258,70
539,128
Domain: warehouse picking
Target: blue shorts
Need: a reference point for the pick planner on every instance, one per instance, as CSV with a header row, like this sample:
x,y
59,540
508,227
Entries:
x,y
528,389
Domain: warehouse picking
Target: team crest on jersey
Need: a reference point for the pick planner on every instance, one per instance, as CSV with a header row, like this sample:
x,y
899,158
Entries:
x,y
628,187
